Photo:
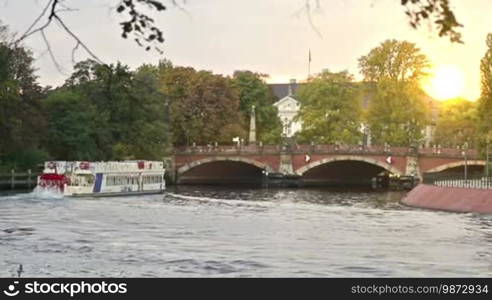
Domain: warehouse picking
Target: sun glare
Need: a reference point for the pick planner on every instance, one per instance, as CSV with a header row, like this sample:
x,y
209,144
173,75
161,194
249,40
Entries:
x,y
446,82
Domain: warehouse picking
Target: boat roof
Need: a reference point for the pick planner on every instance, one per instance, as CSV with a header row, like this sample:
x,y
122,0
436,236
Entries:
x,y
88,167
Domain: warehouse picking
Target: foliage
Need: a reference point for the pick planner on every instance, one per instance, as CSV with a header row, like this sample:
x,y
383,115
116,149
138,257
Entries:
x,y
108,112
148,136
395,60
457,124
438,11
140,24
253,90
71,130
131,122
398,113
485,101
330,109
24,159
203,107
21,120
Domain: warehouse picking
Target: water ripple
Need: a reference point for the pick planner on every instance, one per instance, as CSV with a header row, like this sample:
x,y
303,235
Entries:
x,y
212,232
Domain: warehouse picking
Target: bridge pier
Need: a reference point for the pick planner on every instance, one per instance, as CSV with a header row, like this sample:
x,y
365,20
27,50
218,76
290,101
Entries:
x,y
171,171
286,167
412,167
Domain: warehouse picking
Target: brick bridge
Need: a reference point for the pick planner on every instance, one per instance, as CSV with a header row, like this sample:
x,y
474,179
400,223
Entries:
x,y
328,163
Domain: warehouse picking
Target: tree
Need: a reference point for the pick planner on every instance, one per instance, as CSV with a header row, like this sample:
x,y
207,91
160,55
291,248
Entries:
x,y
71,130
330,109
148,136
21,120
397,113
130,110
253,90
485,101
203,107
395,60
457,124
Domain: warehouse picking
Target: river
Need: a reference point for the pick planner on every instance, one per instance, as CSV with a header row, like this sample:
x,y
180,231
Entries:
x,y
239,232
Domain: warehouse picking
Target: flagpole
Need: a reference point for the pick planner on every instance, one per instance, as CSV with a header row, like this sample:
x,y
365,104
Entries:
x,y
309,64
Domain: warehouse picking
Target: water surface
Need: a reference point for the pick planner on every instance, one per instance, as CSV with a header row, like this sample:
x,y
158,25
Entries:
x,y
224,232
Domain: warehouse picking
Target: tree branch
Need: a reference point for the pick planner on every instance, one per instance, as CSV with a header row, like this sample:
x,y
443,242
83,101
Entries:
x,y
48,48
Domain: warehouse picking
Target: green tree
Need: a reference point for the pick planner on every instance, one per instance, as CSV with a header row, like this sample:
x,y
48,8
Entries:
x,y
397,113
71,130
131,110
399,61
203,107
107,87
485,101
457,124
253,90
148,135
21,120
330,109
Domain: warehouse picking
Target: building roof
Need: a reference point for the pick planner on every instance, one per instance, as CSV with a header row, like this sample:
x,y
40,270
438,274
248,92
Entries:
x,y
281,90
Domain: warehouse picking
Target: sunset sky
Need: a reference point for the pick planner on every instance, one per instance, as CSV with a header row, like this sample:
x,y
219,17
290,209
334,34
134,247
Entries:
x,y
267,36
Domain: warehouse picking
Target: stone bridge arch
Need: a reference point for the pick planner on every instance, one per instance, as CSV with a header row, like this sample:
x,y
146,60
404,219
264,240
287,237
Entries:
x,y
456,164
191,165
301,171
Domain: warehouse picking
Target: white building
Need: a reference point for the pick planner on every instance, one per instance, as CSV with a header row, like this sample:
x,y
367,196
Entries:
x,y
288,109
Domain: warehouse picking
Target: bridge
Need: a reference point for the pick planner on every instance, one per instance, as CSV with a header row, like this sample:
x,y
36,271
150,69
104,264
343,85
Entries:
x,y
315,164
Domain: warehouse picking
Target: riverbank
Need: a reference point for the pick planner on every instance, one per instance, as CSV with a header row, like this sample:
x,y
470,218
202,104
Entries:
x,y
454,199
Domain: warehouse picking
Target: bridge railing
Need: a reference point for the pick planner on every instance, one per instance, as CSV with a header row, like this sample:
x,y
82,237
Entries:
x,y
327,149
472,181
229,149
451,152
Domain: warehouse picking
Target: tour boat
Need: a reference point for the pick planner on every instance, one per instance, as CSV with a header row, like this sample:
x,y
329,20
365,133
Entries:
x,y
83,178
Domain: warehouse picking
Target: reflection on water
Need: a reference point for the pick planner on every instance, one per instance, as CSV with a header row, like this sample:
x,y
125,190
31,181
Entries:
x,y
209,231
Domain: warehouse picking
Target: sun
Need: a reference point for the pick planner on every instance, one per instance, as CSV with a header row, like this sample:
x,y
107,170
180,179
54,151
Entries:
x,y
446,82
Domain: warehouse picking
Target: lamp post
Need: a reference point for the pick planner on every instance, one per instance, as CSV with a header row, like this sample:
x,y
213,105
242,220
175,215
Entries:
x,y
487,168
465,147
